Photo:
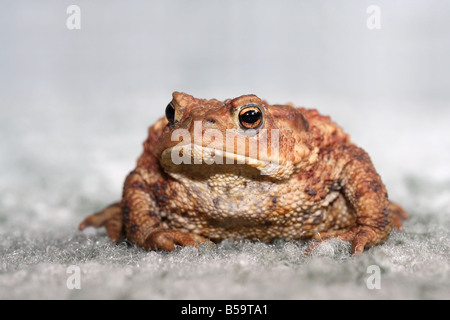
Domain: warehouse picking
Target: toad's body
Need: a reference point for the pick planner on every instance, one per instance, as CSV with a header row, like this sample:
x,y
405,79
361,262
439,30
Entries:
x,y
305,181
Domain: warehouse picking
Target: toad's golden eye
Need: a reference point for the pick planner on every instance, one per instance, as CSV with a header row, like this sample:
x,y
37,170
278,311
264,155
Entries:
x,y
250,116
170,113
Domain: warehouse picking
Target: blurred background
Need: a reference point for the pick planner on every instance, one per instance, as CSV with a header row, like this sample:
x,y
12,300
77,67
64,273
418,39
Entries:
x,y
76,103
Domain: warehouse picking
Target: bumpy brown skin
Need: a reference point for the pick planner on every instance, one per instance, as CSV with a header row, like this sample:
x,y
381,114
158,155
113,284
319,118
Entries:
x,y
324,186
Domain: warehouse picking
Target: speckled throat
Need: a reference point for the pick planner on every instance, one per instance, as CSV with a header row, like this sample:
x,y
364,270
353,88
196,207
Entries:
x,y
237,202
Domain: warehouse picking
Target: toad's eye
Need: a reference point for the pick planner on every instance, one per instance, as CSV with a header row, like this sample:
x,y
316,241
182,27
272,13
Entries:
x,y
250,116
170,113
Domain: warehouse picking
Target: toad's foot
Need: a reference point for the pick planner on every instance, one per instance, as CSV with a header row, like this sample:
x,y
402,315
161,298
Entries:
x,y
166,239
361,237
110,218
398,215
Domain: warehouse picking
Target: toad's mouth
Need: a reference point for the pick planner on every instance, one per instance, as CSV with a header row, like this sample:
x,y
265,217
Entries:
x,y
178,158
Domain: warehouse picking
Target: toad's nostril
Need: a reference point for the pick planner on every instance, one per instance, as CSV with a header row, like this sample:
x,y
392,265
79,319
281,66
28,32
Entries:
x,y
210,121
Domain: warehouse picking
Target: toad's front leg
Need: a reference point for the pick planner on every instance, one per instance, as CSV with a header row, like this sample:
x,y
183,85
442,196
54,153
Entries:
x,y
142,223
367,195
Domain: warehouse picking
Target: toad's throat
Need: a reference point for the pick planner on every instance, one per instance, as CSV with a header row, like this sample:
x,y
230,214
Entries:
x,y
189,157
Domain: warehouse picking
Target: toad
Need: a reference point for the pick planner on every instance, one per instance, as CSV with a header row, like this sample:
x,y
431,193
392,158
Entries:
x,y
244,169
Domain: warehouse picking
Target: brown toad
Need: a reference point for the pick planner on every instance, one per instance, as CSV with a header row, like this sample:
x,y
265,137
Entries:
x,y
244,169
